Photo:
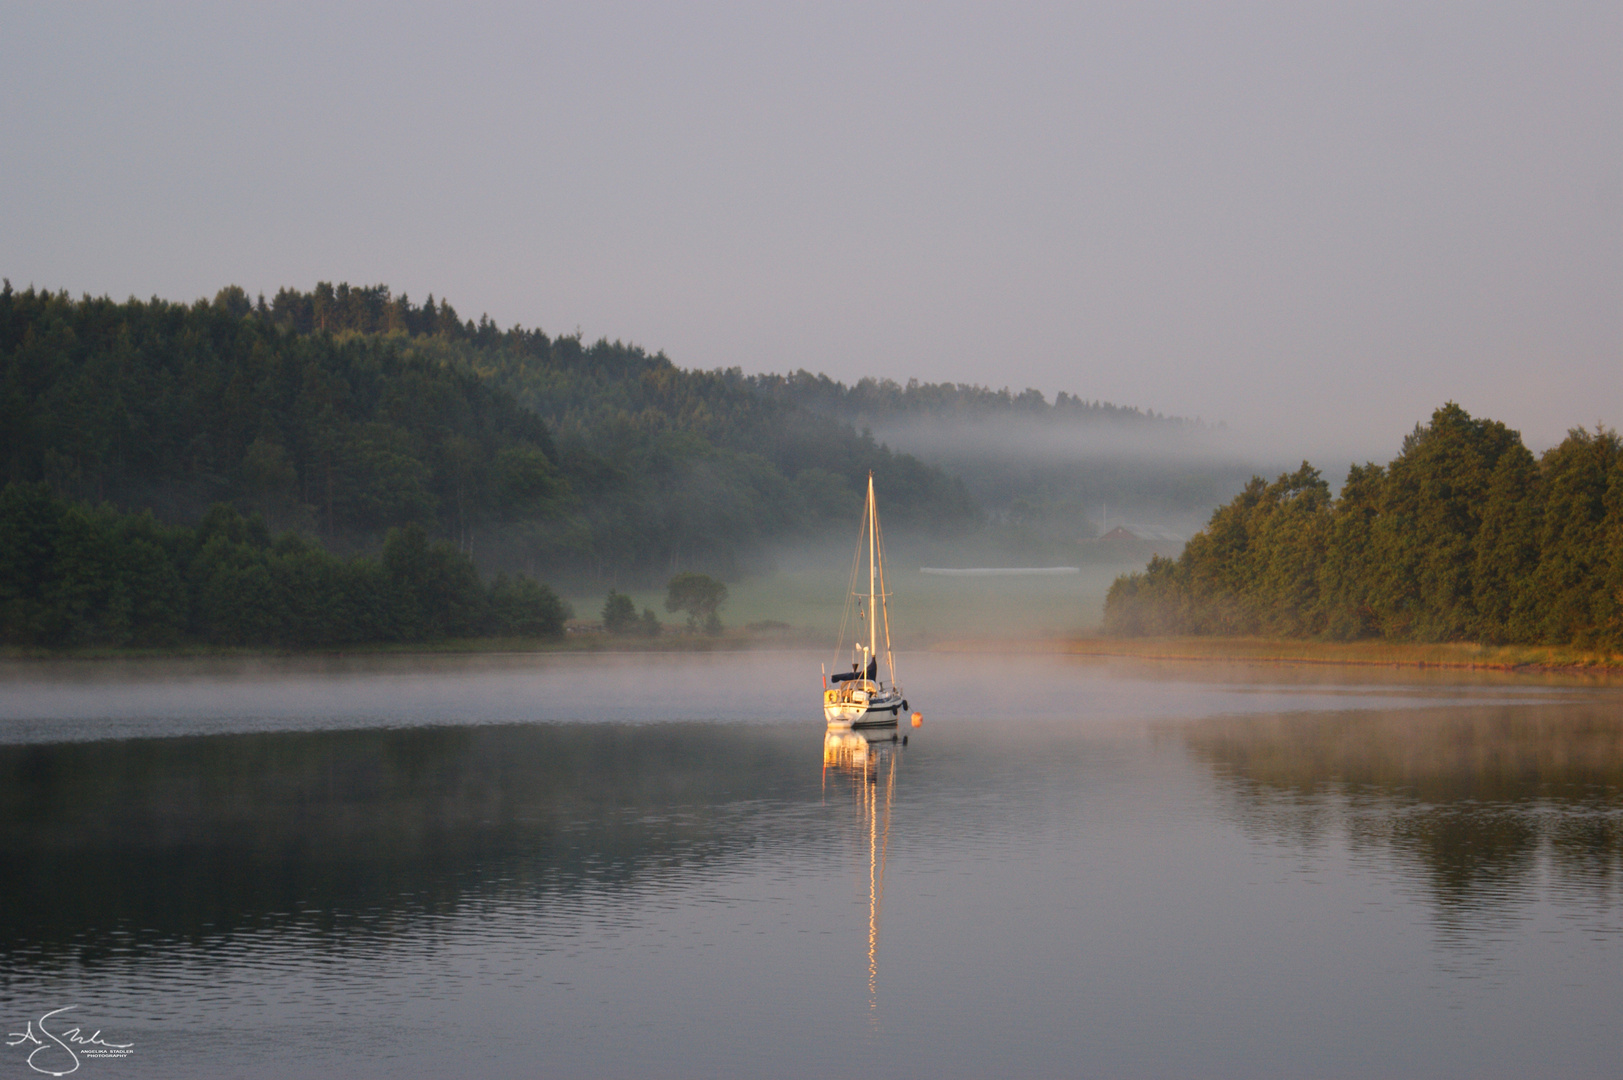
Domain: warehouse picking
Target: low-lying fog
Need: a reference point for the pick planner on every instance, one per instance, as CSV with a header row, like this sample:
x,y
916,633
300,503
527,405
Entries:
x,y
48,702
798,590
1166,474
1099,495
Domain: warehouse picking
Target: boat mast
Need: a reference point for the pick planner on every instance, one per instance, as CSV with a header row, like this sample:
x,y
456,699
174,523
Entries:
x,y
873,610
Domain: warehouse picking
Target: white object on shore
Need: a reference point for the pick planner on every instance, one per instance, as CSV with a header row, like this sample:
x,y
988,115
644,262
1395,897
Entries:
x,y
1002,571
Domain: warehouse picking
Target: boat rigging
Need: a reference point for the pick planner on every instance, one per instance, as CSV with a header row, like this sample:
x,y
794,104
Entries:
x,y
859,698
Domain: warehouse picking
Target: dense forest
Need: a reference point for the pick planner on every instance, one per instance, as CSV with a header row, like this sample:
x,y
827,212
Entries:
x,y
75,575
174,408
1464,536
344,412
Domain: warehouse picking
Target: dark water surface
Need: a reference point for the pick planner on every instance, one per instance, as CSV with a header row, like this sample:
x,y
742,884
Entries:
x,y
653,866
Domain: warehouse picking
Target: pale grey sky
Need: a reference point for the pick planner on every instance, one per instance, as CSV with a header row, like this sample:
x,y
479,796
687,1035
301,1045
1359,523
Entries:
x,y
1313,221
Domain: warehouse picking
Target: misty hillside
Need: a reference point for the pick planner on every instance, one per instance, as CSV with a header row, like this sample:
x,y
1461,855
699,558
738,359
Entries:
x,y
1048,469
344,412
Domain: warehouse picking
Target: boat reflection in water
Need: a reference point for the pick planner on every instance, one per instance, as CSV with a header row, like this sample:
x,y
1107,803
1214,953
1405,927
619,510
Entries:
x,y
866,771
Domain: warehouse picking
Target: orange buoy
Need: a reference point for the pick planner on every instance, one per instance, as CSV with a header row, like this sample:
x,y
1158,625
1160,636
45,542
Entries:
x,y
918,719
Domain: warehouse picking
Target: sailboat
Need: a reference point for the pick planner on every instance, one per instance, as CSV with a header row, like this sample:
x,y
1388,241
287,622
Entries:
x,y
859,698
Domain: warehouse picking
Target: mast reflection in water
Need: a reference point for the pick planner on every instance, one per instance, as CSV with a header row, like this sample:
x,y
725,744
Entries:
x,y
867,773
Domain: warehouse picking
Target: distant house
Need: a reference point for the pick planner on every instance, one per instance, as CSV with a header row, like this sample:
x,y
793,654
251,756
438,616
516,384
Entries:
x,y
1152,533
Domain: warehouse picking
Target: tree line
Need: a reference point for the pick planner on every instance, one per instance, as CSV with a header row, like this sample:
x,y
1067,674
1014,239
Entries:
x,y
72,574
1464,536
877,400
174,408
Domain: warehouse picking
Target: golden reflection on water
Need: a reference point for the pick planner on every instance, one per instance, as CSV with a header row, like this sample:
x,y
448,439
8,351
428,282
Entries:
x,y
868,772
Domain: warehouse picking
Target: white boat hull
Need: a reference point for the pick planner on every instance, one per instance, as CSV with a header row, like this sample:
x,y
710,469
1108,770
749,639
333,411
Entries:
x,y
862,710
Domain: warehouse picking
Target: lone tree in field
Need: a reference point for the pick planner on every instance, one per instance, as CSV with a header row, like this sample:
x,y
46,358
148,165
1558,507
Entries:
x,y
700,596
620,617
619,614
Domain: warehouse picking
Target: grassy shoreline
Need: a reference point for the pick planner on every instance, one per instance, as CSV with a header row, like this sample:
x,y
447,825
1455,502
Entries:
x,y
1531,659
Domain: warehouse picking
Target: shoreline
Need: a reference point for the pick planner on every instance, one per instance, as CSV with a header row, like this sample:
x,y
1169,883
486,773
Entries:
x,y
1461,656
568,643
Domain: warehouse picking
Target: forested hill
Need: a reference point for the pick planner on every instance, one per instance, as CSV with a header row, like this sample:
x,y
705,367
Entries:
x,y
343,412
1464,536
176,407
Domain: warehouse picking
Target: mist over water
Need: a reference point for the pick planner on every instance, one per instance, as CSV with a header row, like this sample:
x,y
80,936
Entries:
x,y
615,866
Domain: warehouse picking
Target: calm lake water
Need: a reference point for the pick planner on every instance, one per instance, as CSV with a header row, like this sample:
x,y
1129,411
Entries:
x,y
653,866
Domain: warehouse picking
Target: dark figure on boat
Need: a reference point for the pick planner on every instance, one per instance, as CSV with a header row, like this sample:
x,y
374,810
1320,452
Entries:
x,y
856,672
